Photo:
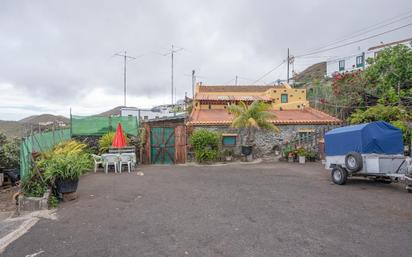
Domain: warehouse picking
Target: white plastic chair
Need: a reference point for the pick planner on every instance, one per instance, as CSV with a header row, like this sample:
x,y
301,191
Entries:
x,y
125,159
97,161
132,158
109,160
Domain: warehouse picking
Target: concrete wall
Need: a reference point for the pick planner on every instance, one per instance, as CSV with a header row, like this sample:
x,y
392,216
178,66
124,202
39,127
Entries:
x,y
265,140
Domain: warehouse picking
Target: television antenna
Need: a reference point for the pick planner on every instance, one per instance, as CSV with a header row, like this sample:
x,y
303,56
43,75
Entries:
x,y
125,58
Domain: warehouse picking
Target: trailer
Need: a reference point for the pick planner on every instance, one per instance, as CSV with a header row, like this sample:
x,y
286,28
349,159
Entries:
x,y
374,150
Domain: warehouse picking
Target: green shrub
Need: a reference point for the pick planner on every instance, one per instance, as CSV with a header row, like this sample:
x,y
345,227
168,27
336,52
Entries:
x,y
33,185
227,152
69,166
9,152
105,142
205,144
312,155
53,201
301,151
287,150
67,160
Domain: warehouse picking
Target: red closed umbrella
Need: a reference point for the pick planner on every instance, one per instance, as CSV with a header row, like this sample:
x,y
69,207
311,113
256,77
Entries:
x,y
119,141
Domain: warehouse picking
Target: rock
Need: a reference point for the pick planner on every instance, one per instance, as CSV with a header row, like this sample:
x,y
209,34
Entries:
x,y
140,173
69,196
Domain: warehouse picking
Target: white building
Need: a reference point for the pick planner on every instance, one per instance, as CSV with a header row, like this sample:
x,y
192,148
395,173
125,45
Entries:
x,y
357,61
157,112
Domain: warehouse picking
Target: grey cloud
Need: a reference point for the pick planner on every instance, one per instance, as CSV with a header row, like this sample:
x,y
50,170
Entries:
x,y
60,50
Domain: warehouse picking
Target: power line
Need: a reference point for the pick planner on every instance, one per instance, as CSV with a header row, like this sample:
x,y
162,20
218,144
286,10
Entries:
x,y
247,79
228,82
267,73
364,31
356,41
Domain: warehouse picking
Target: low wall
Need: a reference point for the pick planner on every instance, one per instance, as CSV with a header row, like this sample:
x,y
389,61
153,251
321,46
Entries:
x,y
34,203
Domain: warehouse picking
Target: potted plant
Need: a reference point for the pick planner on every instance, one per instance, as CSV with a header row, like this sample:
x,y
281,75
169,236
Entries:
x,y
228,154
301,152
64,165
311,156
65,170
291,156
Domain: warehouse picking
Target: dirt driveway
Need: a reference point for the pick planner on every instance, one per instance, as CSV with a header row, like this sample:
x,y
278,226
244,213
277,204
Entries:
x,y
268,209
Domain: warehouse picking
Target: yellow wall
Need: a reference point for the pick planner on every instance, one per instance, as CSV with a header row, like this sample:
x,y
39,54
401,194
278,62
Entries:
x,y
296,98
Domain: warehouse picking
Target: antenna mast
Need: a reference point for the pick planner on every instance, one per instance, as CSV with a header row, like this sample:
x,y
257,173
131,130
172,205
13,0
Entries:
x,y
172,52
125,57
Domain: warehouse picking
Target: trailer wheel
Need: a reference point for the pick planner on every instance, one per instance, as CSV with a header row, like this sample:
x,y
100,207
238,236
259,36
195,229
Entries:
x,y
339,175
353,161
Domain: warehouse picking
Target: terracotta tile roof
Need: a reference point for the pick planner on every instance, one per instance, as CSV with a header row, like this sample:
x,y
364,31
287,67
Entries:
x,y
298,116
208,97
249,88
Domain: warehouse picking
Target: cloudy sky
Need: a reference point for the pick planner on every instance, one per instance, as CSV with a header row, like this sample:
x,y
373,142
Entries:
x,y
60,54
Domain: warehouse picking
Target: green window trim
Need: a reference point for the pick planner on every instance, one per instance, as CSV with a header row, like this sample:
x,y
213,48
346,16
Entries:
x,y
229,140
360,62
341,65
284,98
305,135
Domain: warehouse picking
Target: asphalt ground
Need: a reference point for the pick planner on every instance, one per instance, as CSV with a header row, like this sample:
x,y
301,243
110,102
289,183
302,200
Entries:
x,y
267,209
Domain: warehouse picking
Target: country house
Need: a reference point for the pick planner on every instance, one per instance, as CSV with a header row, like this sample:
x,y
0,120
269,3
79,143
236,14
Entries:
x,y
295,118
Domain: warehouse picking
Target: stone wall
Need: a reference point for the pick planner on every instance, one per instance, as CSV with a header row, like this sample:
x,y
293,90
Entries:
x,y
267,141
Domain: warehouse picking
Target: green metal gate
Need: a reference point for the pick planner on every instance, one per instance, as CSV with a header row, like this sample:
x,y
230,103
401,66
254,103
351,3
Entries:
x,y
162,144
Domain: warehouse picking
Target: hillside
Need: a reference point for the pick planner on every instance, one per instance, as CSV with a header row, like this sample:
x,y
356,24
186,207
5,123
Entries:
x,y
115,111
315,71
44,118
16,128
11,128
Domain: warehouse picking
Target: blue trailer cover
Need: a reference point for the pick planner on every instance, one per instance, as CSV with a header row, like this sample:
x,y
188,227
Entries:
x,y
376,137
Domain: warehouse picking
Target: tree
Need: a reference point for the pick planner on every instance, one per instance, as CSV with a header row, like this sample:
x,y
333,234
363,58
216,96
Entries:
x,y
396,115
349,91
390,75
255,116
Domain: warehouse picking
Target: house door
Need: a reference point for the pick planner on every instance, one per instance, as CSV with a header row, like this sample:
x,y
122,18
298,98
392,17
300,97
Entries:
x,y
162,144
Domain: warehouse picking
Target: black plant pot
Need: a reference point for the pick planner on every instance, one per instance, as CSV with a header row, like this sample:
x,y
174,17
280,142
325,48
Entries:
x,y
246,150
66,185
13,174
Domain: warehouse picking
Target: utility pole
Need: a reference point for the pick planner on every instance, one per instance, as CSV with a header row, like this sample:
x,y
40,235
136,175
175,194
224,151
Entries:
x,y
288,61
193,84
172,52
236,80
125,57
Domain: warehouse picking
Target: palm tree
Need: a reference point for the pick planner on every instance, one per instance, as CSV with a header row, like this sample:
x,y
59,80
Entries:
x,y
255,116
